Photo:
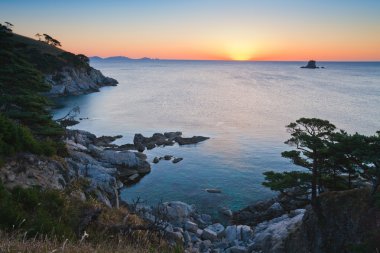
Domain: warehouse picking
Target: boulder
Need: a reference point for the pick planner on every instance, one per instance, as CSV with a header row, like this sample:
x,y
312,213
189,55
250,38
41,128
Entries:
x,y
246,233
178,211
191,226
226,211
217,228
231,233
208,234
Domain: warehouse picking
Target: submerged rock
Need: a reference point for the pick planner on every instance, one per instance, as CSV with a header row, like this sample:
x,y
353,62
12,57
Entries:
x,y
213,190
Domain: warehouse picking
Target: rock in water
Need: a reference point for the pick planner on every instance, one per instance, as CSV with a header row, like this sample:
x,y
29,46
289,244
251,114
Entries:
x,y
192,140
177,160
311,65
213,191
156,160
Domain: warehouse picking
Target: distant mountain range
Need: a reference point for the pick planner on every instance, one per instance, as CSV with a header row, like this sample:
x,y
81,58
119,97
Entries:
x,y
120,58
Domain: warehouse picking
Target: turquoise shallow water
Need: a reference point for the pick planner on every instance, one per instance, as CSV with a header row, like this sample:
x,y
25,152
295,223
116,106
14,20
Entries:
x,y
242,106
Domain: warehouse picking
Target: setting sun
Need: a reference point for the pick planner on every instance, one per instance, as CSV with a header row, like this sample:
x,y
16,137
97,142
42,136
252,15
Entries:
x,y
240,52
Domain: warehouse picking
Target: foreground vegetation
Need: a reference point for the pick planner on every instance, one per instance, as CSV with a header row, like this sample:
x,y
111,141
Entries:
x,y
334,159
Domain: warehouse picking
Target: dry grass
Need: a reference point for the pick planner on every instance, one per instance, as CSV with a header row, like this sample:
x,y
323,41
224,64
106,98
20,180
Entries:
x,y
18,242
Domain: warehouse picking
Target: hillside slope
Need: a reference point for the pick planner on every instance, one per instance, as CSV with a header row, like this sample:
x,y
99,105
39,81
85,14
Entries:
x,y
68,74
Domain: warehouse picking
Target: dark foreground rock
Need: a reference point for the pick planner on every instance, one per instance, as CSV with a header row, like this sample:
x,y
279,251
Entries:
x,y
346,221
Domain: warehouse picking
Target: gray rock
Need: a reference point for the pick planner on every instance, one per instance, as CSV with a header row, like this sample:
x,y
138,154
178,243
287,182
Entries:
x,y
246,232
199,233
206,218
205,245
178,211
221,245
238,249
75,81
175,236
208,234
178,229
195,238
186,237
226,212
231,233
191,226
218,229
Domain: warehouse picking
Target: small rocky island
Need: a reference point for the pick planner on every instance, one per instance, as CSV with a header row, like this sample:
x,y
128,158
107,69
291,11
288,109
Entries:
x,y
311,65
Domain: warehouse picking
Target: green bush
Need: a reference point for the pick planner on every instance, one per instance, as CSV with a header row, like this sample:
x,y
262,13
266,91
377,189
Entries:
x,y
38,211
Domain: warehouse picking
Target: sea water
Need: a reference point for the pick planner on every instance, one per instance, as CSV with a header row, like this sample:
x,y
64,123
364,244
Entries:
x,y
242,106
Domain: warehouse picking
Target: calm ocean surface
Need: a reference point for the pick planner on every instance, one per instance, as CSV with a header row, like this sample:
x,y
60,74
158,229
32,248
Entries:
x,y
242,106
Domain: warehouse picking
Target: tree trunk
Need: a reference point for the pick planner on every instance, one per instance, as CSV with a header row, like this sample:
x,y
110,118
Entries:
x,y
314,185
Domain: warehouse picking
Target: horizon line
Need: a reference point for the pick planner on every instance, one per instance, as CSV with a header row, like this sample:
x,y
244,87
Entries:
x,y
228,60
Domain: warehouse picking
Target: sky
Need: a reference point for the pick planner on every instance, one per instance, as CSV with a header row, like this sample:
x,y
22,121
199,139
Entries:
x,y
333,30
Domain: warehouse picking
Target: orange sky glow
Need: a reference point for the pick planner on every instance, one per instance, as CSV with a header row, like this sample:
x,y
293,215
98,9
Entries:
x,y
207,29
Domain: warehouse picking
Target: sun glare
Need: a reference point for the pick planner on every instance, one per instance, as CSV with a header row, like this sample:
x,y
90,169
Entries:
x,y
240,52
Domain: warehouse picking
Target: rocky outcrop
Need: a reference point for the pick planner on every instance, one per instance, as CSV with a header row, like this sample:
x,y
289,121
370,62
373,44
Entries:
x,y
76,81
27,170
166,139
345,220
107,170
310,65
266,210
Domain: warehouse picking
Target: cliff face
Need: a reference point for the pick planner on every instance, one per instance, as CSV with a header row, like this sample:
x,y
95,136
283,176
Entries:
x,y
68,74
347,223
75,81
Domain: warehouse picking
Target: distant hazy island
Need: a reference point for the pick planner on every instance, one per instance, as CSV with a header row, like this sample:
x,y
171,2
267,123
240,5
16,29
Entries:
x,y
120,59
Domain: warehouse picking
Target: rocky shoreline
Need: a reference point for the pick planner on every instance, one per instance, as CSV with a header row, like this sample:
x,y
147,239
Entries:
x,y
278,224
76,81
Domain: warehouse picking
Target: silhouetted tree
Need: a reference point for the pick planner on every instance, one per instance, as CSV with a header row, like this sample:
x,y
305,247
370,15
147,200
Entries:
x,y
51,41
38,35
8,25
83,58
